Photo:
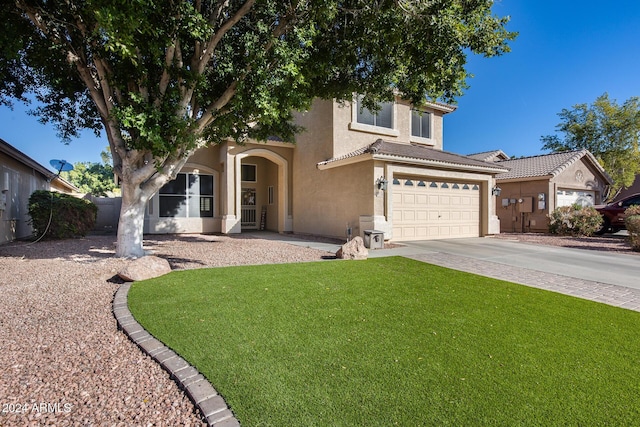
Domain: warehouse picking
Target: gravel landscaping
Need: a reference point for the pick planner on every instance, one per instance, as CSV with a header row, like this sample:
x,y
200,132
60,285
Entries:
x,y
64,360
609,242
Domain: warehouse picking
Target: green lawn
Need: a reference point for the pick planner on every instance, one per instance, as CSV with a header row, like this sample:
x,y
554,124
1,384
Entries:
x,y
392,341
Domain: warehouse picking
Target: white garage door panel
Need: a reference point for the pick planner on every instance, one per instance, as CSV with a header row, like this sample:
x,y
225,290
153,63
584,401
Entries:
x,y
430,209
566,197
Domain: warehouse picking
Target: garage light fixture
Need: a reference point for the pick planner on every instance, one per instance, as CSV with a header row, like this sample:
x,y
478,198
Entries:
x,y
495,191
382,183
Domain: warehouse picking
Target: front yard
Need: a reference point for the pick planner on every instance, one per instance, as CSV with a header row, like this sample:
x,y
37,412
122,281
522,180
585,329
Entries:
x,y
392,341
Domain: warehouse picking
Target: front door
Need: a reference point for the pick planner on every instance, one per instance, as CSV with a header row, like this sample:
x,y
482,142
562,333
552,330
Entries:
x,y
248,210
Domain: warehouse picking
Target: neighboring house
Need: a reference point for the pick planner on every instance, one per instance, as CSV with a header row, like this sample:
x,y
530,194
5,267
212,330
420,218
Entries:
x,y
20,176
535,186
633,189
350,170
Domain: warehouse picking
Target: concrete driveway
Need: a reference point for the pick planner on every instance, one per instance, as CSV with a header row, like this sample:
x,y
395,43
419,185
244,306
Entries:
x,y
604,267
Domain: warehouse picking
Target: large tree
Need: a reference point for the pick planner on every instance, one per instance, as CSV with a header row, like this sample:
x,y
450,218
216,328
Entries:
x,y
609,131
163,78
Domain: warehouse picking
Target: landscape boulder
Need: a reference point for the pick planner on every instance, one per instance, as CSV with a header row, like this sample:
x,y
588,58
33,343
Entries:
x,y
146,267
353,249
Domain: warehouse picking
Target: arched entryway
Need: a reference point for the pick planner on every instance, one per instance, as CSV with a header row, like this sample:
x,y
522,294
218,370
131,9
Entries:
x,y
262,190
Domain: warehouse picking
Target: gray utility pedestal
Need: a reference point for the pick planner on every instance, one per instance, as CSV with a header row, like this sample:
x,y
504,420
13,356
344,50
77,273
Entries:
x,y
374,239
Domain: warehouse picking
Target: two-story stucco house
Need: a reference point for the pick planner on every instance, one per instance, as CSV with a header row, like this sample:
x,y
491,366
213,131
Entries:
x,y
351,168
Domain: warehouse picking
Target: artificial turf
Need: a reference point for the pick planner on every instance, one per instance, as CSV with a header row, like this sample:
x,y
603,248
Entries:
x,y
392,341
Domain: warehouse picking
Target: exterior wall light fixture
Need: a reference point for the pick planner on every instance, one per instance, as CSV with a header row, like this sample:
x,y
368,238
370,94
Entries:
x,y
495,191
382,183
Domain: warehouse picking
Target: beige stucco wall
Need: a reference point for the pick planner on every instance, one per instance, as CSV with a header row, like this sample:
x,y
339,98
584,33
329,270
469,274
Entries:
x,y
349,136
223,162
321,202
326,201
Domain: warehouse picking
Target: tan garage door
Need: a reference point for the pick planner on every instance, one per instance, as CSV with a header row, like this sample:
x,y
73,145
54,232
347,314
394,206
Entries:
x,y
434,209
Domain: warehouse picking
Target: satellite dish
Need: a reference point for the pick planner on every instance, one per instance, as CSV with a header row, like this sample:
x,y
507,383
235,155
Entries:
x,y
61,165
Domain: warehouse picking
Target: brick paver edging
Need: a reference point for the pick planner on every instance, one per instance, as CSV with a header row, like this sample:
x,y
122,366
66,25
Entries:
x,y
200,391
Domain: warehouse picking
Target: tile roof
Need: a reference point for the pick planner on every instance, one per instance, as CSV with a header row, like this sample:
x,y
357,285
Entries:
x,y
546,165
386,150
489,156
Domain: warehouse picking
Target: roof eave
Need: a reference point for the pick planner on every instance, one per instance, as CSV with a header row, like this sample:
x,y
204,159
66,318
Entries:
x,y
344,162
18,155
445,108
525,178
439,164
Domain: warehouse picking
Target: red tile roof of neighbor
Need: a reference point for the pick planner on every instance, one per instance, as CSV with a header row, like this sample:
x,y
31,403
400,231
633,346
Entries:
x,y
547,165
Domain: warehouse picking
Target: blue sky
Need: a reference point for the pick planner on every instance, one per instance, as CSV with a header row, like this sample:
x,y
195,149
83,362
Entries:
x,y
567,53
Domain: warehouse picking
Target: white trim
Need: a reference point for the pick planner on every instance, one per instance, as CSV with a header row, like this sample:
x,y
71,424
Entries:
x,y
378,130
445,108
422,141
419,139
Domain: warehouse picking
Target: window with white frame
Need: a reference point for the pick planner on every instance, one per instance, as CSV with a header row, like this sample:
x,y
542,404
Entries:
x,y
380,118
380,122
421,124
188,196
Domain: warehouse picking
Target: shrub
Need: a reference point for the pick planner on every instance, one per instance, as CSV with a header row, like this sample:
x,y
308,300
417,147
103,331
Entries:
x,y
632,222
66,216
575,220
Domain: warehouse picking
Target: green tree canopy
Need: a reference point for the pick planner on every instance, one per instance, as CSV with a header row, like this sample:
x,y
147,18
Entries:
x,y
92,177
163,78
609,131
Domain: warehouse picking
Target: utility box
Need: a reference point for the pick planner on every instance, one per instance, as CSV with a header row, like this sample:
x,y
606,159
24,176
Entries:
x,y
374,239
526,205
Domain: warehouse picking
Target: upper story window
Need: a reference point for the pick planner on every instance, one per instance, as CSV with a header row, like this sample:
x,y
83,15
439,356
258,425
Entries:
x,y
187,196
381,121
421,124
381,118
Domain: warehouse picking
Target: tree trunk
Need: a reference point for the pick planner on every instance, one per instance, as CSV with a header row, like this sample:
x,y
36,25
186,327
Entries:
x,y
130,226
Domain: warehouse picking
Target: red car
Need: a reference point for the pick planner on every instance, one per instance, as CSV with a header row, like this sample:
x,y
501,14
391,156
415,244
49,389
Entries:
x,y
613,213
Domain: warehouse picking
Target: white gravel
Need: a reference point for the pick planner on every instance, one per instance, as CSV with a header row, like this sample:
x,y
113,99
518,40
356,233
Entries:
x,y
63,360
